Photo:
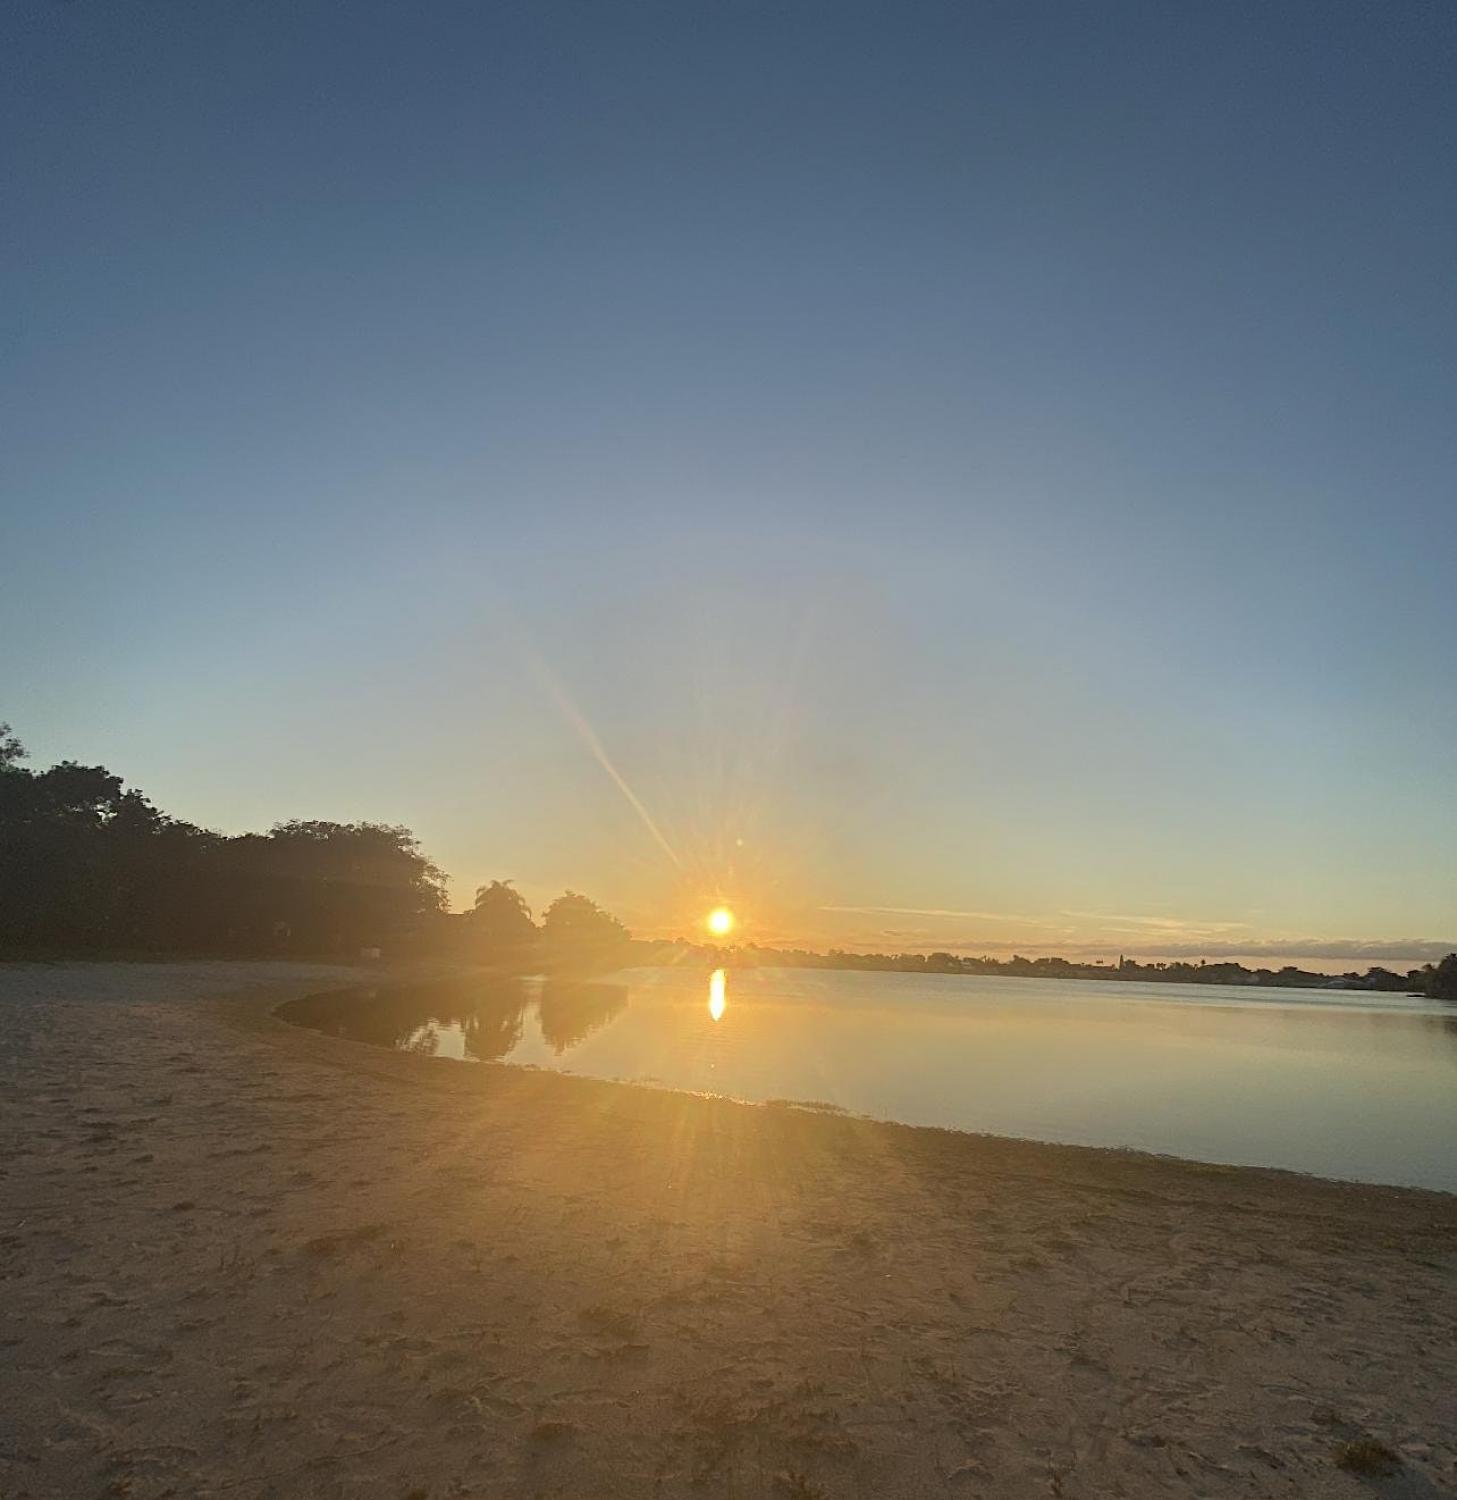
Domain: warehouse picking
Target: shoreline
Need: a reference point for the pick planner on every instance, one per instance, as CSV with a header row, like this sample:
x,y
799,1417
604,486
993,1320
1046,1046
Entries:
x,y
332,1023
362,1056
244,1257
1058,1156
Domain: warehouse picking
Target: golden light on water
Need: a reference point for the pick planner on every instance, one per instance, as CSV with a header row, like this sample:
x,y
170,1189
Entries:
x,y
720,921
717,986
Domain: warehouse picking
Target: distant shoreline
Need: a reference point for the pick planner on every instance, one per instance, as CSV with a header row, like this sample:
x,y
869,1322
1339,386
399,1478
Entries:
x,y
1376,980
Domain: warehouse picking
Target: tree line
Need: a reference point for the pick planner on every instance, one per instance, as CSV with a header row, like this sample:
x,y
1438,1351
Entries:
x,y
90,866
574,932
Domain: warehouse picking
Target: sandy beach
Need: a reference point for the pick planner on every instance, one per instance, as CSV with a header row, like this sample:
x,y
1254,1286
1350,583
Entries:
x,y
240,1259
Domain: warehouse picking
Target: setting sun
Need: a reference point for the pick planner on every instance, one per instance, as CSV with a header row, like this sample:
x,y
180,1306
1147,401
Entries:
x,y
720,921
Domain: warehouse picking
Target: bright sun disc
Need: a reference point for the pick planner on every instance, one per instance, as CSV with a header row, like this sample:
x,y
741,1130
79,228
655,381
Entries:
x,y
720,921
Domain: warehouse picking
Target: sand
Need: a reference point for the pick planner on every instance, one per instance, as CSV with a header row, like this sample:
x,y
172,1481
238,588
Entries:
x,y
239,1259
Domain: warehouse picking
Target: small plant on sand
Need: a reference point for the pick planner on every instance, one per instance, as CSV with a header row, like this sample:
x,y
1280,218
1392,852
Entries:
x,y
794,1486
1367,1456
325,1245
609,1322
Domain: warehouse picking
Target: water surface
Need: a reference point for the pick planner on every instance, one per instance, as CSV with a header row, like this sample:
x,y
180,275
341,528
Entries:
x,y
1344,1085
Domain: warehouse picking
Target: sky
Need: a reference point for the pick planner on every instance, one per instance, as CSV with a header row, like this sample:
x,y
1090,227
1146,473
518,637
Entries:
x,y
971,476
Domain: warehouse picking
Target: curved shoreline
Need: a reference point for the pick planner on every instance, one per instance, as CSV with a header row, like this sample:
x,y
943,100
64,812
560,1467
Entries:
x,y
365,1049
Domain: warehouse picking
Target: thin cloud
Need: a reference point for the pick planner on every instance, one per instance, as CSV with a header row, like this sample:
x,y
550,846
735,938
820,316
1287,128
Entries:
x,y
935,911
1120,922
1264,951
1371,949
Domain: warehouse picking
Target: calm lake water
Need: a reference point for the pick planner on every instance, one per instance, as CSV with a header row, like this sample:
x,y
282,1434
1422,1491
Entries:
x,y
1355,1086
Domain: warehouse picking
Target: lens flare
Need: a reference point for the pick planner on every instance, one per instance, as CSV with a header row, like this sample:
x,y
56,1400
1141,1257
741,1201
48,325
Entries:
x,y
720,921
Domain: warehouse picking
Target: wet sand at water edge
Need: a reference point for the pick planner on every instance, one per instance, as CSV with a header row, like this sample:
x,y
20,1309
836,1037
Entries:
x,y
241,1259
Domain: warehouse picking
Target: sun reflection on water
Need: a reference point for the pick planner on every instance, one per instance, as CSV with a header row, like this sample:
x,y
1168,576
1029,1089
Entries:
x,y
717,984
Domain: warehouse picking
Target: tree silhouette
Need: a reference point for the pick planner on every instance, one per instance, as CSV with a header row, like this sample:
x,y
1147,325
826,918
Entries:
x,y
11,750
577,933
1442,981
86,864
500,922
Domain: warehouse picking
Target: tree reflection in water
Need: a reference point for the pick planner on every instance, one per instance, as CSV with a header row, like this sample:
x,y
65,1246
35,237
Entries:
x,y
488,1012
571,1010
492,1023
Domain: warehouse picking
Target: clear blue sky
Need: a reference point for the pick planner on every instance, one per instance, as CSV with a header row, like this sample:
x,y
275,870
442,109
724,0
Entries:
x,y
991,460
